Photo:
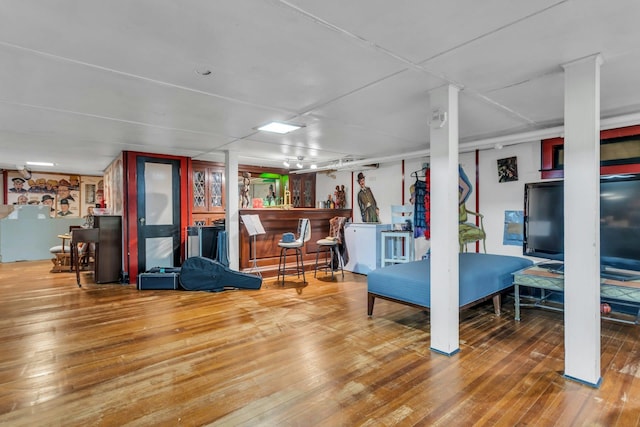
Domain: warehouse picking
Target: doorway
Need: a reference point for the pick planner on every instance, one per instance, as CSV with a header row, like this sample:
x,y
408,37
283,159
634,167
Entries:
x,y
158,212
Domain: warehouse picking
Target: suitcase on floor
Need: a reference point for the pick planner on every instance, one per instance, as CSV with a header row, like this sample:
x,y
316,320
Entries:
x,y
147,281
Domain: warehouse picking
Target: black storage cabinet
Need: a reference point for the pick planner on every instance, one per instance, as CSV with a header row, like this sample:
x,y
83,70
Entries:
x,y
203,241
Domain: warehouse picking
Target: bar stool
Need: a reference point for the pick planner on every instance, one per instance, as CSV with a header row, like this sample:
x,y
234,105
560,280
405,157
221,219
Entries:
x,y
329,245
303,236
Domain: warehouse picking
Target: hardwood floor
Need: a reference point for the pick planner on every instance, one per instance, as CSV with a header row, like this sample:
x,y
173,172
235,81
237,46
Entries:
x,y
109,355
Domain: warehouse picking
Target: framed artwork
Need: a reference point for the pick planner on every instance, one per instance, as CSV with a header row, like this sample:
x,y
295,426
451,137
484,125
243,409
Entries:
x,y
513,228
508,169
90,194
89,187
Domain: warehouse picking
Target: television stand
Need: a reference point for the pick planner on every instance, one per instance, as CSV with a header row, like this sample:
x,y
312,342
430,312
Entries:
x,y
622,293
622,276
555,266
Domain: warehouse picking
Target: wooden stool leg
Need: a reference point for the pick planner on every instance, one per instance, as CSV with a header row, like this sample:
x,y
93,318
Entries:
x,y
56,264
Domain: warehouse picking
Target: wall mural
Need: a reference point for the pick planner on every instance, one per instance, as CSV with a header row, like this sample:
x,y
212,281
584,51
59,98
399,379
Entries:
x,y
368,205
63,193
421,199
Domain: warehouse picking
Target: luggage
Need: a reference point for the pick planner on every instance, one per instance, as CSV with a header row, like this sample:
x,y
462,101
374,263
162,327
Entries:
x,y
164,270
158,281
204,274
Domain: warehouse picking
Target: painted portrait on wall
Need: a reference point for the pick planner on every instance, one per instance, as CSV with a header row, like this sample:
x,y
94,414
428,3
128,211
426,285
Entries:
x,y
62,193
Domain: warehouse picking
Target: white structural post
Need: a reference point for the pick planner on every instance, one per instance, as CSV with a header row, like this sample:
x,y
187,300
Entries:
x,y
582,220
444,220
232,221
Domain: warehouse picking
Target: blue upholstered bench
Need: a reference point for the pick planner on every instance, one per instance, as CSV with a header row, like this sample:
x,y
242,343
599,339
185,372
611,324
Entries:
x,y
482,276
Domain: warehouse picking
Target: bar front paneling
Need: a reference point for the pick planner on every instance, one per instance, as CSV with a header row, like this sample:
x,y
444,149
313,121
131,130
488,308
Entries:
x,y
276,222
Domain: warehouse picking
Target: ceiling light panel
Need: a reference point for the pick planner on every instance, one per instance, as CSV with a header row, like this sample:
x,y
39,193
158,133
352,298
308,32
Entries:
x,y
279,127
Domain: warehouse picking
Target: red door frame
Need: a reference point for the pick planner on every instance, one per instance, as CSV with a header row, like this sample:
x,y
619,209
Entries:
x,y
130,202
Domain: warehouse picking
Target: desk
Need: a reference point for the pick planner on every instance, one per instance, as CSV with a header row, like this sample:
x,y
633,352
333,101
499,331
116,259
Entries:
x,y
625,293
86,236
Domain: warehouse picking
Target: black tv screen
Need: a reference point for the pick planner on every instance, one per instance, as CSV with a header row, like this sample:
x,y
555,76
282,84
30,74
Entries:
x,y
544,220
619,221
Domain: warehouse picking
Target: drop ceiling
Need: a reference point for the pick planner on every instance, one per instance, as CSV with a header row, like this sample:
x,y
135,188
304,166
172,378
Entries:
x,y
81,81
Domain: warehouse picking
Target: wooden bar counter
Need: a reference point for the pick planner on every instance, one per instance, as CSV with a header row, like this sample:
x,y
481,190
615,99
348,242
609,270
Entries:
x,y
277,221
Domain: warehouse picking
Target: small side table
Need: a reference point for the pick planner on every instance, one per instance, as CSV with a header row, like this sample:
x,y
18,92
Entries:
x,y
62,260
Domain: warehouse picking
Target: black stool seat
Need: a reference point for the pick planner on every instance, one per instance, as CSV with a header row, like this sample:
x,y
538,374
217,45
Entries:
x,y
330,248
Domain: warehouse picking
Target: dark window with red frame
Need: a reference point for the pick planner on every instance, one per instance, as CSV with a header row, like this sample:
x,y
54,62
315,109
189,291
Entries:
x,y
619,153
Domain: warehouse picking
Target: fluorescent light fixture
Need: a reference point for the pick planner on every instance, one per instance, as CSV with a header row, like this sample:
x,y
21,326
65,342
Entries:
x,y
279,127
40,164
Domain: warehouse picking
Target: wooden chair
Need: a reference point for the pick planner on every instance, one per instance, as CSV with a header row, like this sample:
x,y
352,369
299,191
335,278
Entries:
x,y
469,232
62,260
79,253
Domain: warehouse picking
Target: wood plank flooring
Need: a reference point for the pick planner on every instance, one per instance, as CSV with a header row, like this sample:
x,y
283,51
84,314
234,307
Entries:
x,y
110,355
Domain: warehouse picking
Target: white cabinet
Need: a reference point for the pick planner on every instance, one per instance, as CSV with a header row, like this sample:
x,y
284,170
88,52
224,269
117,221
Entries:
x,y
363,246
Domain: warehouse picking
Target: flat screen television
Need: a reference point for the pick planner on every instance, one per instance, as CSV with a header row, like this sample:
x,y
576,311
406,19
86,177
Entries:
x,y
619,223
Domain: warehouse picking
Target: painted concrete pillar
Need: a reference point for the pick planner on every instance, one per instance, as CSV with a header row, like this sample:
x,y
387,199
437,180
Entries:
x,y
232,218
582,219
444,220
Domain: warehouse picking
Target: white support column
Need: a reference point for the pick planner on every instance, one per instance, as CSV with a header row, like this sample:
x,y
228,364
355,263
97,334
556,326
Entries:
x,y
582,220
444,221
232,219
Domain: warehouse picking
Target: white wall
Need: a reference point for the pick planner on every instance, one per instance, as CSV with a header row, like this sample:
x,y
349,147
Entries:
x,y
498,197
385,183
326,182
495,197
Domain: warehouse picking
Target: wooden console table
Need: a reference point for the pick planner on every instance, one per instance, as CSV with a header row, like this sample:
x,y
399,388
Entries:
x,y
614,291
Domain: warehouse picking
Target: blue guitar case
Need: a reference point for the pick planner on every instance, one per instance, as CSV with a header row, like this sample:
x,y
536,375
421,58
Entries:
x,y
204,274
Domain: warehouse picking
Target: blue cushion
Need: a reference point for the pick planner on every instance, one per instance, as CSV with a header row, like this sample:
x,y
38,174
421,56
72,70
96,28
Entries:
x,y
288,238
480,276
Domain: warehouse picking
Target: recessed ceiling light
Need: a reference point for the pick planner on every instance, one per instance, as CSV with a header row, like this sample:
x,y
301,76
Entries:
x,y
279,127
286,163
313,166
40,163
